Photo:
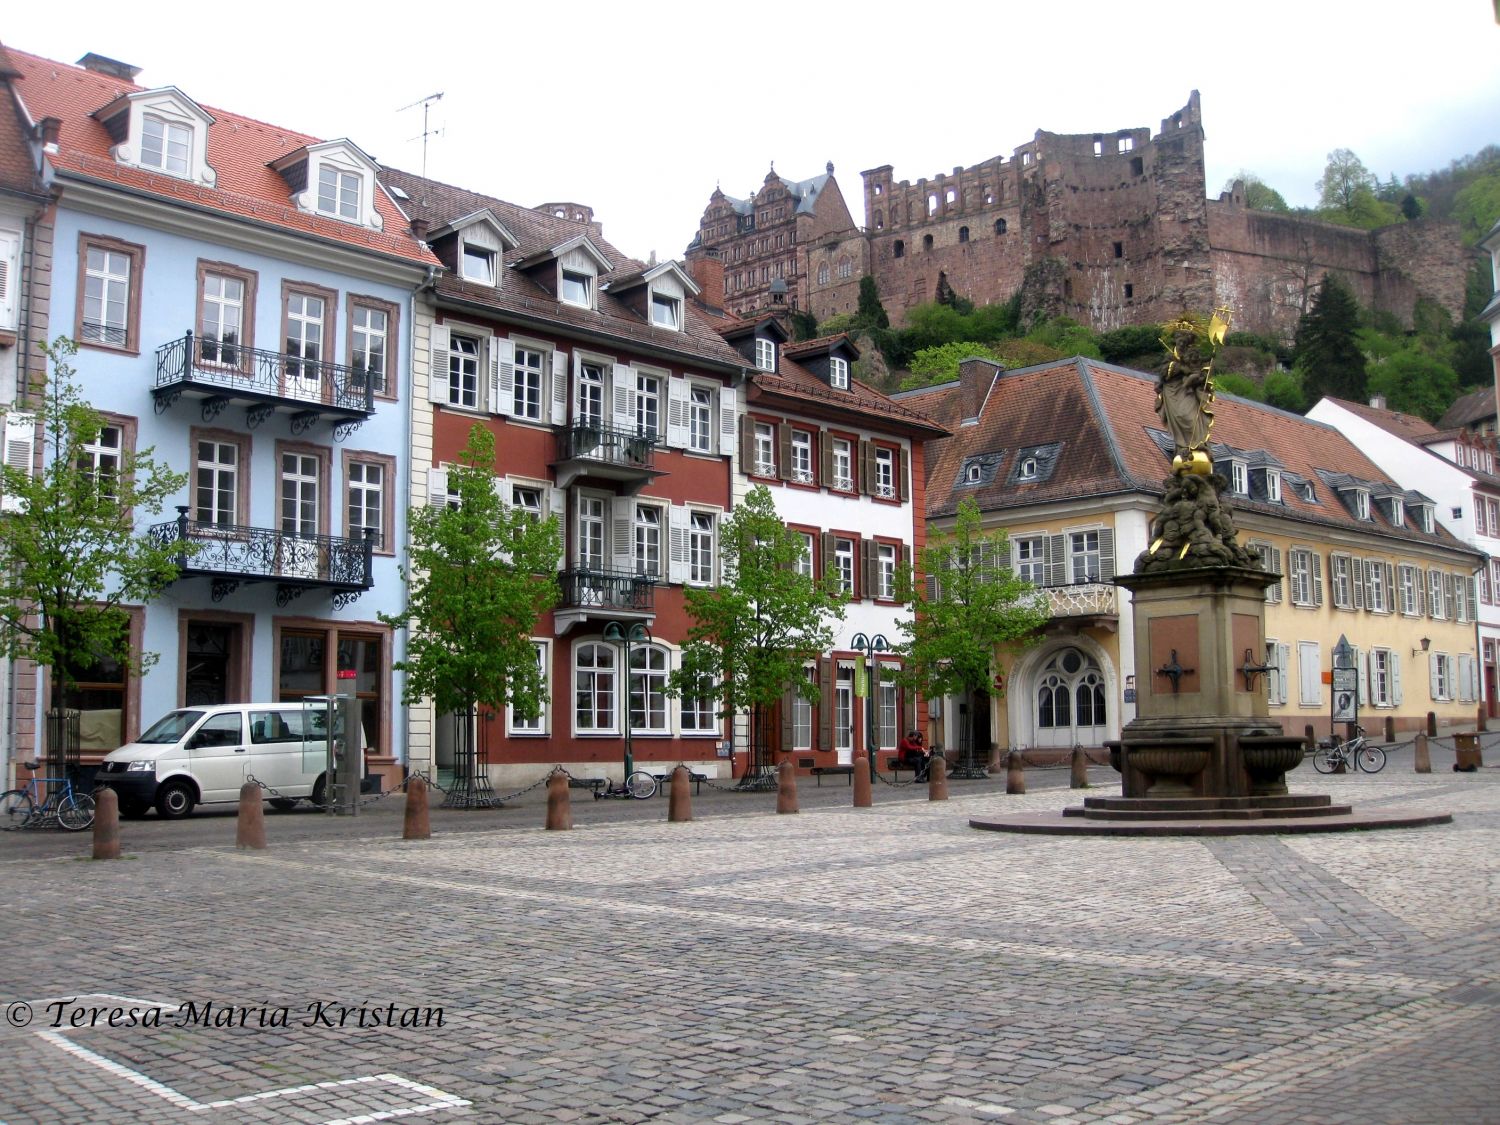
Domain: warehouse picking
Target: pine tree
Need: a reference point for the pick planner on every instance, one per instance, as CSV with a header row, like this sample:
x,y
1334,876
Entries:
x,y
1327,352
870,313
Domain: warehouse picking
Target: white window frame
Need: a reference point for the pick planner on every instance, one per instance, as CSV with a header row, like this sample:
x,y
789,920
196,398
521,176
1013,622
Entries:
x,y
1407,577
843,465
1435,605
1239,478
843,706
365,498
484,260
650,665
1027,469
599,676
583,280
104,453
700,419
369,342
765,354
532,364
802,717
1381,689
541,724
1082,551
646,525
885,571
702,547
299,492
222,471
1442,677
1029,557
887,707
172,134
765,450
332,196
649,418
1340,580
1361,504
1300,576
838,373
844,563
584,520
885,473
114,290
666,311
1379,598
801,469
463,385
1273,486
805,560
698,714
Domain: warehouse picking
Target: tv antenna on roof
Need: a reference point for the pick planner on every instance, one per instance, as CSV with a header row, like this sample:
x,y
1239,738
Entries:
x,y
426,104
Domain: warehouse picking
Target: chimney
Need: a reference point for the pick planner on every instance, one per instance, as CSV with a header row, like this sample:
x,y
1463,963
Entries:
x,y
419,229
976,378
708,274
49,129
99,64
1377,401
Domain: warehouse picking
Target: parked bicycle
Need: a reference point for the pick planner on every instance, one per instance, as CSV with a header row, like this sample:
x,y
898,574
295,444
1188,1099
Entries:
x,y
638,785
1353,755
71,809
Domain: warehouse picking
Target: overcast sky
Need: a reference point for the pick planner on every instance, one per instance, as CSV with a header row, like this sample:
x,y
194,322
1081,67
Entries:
x,y
589,102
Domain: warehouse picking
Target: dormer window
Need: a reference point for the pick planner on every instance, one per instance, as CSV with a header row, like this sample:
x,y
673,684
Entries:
x,y
666,311
1273,486
165,144
478,264
1361,504
333,178
1424,517
1398,512
1239,478
974,474
765,354
1027,469
338,192
577,289
838,373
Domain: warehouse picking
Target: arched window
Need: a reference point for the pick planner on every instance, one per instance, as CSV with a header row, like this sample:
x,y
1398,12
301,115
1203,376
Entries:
x,y
594,688
932,204
1052,703
846,268
822,273
1089,695
899,249
927,242
648,690
963,234
879,221
1000,226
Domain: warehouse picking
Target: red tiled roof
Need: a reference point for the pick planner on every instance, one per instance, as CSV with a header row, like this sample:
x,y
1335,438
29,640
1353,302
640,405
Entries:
x,y
1405,426
239,150
796,384
1467,409
537,231
1104,416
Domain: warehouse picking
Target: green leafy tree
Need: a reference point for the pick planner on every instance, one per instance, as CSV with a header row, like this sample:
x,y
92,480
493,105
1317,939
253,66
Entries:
x,y
751,634
1344,177
1134,342
478,576
71,558
1283,390
1328,354
1259,195
1477,206
940,364
1414,382
870,313
1230,382
971,612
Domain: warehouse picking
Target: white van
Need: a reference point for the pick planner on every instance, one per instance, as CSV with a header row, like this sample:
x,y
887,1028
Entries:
x,y
202,755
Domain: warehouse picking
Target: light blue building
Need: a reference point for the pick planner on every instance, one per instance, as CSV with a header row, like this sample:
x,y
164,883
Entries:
x,y
241,296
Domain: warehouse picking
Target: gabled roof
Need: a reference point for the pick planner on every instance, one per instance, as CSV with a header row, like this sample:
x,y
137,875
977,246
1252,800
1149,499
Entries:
x,y
1408,427
805,192
482,216
579,241
240,150
621,283
839,341
1467,410
1104,417
538,233
792,387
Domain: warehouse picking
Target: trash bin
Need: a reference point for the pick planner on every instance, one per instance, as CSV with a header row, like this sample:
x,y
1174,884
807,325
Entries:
x,y
1469,758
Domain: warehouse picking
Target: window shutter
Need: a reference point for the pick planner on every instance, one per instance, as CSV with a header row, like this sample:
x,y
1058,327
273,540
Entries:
x,y
1419,585
1317,577
559,388
1362,677
1057,560
10,248
1392,596
20,449
1106,553
502,389
825,457
677,412
784,451
437,374
867,585
866,468
930,587
788,734
556,500
623,385
623,508
825,707
677,568
1395,678
747,445
830,558
1432,675
437,487
1359,583
905,557
903,474
729,399
1472,592
1448,597
1273,673
1464,661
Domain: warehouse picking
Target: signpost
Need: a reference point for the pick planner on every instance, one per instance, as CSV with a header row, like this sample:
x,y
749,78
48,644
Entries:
x,y
1345,696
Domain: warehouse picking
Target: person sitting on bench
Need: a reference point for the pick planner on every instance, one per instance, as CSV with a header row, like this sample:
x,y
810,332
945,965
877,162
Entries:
x,y
914,753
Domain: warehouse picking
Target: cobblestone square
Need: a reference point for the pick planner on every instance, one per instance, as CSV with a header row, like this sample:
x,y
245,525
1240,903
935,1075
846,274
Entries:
x,y
887,964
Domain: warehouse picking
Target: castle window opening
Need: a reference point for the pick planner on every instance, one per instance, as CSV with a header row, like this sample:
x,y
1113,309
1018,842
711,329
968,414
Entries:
x,y
899,249
927,242
1126,144
846,268
932,204
1098,146
879,221
1119,249
1129,291
963,234
1137,166
877,189
1026,159
1000,226
989,196
823,274
951,197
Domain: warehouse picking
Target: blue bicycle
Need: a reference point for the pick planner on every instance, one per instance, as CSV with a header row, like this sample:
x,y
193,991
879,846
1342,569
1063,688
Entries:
x,y
62,804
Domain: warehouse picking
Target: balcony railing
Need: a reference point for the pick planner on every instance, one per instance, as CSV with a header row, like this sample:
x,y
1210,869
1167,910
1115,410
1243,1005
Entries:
x,y
234,553
1082,599
603,451
220,373
607,591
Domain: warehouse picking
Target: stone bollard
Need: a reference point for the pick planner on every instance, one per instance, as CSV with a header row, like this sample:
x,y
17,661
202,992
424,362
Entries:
x,y
1015,780
1390,729
106,824
416,821
559,807
1422,755
1431,724
786,787
1309,738
1079,778
250,828
679,800
1482,724
937,778
864,796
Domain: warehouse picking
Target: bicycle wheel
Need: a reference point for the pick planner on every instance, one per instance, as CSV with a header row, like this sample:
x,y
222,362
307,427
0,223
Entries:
x,y
75,811
1326,760
16,807
640,785
1371,759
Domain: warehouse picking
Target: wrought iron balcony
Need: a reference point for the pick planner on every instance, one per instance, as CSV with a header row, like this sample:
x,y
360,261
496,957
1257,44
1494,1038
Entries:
x,y
587,594
220,373
586,450
230,554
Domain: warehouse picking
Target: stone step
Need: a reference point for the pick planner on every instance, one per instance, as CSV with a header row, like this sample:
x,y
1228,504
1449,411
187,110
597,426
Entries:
x,y
1182,806
1211,814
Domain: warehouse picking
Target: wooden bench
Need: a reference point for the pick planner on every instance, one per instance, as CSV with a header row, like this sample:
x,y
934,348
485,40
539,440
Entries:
x,y
896,765
819,771
664,780
595,784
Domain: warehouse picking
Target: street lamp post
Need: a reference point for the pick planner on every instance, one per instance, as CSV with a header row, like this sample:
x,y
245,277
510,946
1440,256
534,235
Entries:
x,y
625,636
869,646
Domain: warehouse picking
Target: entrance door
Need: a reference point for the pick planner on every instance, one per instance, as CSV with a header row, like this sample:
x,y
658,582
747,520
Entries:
x,y
1068,706
211,648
